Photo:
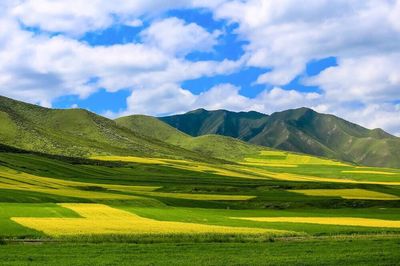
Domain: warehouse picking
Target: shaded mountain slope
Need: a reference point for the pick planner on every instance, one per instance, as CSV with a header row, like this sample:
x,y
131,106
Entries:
x,y
209,145
300,130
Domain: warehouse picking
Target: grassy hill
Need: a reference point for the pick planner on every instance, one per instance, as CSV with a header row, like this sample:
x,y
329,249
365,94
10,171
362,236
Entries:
x,y
75,132
208,145
300,130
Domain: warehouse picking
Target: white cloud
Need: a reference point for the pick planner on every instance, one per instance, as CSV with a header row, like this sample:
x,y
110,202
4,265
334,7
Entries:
x,y
169,99
365,79
174,36
82,16
39,67
285,35
282,35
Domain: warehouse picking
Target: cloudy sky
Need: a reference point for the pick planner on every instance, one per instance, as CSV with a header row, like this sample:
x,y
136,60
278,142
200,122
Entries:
x,y
162,57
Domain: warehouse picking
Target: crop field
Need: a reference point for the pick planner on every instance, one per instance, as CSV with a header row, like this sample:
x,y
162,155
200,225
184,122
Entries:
x,y
271,197
355,193
102,219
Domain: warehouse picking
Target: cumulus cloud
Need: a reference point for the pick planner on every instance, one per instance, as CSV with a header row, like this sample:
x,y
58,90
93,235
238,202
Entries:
x,y
39,67
82,16
43,56
174,36
170,99
367,79
285,35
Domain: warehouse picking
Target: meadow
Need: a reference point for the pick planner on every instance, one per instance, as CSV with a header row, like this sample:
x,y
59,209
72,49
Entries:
x,y
289,207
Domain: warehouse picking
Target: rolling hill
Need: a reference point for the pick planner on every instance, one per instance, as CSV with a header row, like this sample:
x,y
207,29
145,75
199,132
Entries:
x,y
300,130
197,135
76,132
80,133
210,145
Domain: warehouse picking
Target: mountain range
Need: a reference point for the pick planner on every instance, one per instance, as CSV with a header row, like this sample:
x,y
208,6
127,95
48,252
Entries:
x,y
299,130
80,133
198,135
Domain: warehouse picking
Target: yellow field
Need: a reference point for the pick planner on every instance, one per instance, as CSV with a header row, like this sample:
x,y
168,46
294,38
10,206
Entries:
x,y
246,169
131,159
367,172
102,219
198,196
347,193
267,164
347,221
180,164
291,159
11,179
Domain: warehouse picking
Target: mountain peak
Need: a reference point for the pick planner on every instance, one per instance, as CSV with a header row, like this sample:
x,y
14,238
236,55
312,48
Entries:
x,y
299,130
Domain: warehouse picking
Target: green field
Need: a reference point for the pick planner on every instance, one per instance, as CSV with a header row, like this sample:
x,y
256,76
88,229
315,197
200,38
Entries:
x,y
267,208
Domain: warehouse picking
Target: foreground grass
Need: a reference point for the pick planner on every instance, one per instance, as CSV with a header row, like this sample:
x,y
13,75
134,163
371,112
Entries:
x,y
377,251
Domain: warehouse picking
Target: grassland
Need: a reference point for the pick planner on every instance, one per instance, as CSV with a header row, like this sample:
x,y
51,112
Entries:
x,y
373,251
257,209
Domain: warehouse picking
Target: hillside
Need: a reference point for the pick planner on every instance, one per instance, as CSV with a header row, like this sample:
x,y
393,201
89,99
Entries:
x,y
300,130
208,145
75,132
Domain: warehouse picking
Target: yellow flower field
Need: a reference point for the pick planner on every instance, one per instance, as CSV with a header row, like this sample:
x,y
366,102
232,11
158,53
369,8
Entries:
x,y
198,196
367,172
291,159
245,169
355,193
344,221
102,219
10,179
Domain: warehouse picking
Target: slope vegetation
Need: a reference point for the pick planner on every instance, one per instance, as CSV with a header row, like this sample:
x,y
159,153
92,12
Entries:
x,y
209,145
75,132
300,130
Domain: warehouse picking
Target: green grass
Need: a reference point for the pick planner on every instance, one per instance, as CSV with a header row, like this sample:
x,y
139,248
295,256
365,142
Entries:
x,y
314,252
210,145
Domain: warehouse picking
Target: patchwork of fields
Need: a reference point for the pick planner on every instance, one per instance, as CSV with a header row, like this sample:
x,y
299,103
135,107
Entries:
x,y
267,201
271,194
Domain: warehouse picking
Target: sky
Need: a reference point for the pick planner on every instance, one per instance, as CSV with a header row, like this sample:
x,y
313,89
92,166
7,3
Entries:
x,y
160,57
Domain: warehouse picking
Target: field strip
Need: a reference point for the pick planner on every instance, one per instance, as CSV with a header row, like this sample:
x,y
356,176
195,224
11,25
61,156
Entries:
x,y
246,171
367,172
22,181
296,177
129,159
281,157
183,165
14,180
267,164
198,196
355,193
103,219
344,221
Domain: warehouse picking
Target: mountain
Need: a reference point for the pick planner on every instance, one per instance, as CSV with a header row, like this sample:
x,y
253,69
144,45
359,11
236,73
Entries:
x,y
300,130
80,133
209,145
76,132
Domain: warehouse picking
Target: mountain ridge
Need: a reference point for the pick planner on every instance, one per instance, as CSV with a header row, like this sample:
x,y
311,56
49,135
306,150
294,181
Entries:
x,y
198,135
299,130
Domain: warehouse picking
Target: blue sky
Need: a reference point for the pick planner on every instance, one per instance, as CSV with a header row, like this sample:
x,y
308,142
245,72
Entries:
x,y
165,57
230,46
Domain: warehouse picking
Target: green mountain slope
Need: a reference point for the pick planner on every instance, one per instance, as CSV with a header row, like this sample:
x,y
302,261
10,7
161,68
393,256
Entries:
x,y
75,132
299,130
208,145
